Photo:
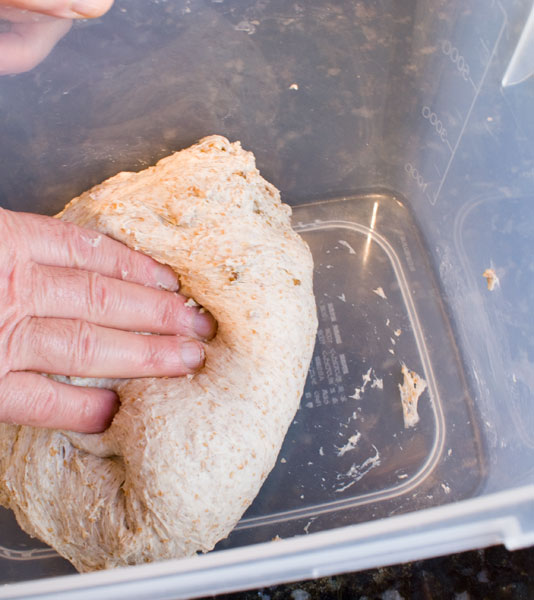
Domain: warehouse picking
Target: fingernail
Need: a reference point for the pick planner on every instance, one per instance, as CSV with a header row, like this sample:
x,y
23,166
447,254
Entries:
x,y
113,408
86,8
102,419
204,325
192,355
167,279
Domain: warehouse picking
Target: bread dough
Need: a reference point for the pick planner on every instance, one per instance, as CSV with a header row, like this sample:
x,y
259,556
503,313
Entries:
x,y
183,458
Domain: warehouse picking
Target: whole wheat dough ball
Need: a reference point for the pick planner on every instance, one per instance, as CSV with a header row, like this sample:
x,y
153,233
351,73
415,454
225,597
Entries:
x,y
183,457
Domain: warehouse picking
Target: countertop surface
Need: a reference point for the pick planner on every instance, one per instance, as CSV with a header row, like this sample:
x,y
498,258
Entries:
x,y
492,574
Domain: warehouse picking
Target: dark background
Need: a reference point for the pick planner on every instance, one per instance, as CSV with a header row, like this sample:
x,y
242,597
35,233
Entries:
x,y
489,574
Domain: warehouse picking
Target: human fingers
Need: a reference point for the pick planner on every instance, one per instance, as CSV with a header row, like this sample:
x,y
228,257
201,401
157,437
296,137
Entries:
x,y
76,294
52,242
64,9
25,45
15,15
76,347
32,399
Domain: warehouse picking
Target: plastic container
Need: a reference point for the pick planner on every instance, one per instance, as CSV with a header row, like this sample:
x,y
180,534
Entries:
x,y
402,135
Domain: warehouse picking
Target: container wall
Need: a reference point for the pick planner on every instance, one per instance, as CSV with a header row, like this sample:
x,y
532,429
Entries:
x,y
353,103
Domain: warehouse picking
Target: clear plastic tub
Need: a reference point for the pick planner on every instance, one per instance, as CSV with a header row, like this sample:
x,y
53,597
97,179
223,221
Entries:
x,y
402,134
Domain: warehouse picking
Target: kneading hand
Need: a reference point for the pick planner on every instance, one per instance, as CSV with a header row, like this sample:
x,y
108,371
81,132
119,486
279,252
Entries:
x,y
36,26
71,301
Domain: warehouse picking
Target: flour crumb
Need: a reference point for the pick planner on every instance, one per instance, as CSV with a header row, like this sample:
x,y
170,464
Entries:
x,y
411,389
491,277
356,472
378,383
342,298
366,378
397,332
94,242
350,445
191,303
356,395
283,461
306,529
347,245
246,26
294,86
380,292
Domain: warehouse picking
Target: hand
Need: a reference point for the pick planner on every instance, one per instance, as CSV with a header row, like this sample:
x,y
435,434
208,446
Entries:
x,y
70,302
37,26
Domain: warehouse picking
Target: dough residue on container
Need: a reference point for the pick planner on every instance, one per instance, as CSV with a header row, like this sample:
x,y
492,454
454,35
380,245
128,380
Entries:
x,y
411,389
347,245
491,278
351,444
366,377
380,292
356,472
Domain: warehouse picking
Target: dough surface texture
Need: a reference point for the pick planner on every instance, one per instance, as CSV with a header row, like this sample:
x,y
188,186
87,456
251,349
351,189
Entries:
x,y
183,458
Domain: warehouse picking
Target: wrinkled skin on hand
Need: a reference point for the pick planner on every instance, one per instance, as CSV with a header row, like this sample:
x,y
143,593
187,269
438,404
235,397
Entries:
x,y
71,302
36,26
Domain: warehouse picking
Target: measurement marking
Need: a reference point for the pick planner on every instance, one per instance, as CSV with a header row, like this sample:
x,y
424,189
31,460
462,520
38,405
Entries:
x,y
483,43
458,114
475,98
416,176
437,169
437,124
458,60
472,83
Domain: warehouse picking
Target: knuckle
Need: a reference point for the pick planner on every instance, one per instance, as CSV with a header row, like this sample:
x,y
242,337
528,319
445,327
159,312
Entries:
x,y
44,402
7,402
8,244
83,344
168,313
77,248
97,294
153,357
15,336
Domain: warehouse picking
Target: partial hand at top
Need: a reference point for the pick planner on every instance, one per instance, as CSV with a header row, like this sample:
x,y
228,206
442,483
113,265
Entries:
x,y
35,26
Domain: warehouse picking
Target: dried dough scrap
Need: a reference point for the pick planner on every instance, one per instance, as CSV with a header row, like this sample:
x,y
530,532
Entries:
x,y
183,458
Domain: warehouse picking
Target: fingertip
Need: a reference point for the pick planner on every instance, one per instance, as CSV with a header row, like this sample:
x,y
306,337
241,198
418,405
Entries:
x,y
90,9
193,355
204,325
166,278
98,412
